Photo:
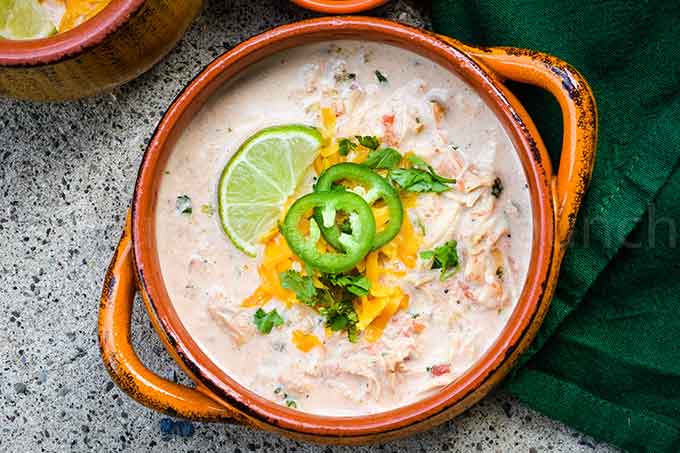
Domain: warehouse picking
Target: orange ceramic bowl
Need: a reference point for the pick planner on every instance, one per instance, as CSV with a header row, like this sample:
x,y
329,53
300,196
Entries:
x,y
339,6
555,201
125,39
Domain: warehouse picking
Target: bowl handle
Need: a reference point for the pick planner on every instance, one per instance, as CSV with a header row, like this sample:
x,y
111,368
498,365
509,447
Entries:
x,y
120,359
579,115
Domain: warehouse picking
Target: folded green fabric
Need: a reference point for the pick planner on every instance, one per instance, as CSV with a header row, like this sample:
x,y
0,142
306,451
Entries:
x,y
607,359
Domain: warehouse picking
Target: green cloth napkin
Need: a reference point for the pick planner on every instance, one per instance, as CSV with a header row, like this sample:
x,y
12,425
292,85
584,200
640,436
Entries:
x,y
607,359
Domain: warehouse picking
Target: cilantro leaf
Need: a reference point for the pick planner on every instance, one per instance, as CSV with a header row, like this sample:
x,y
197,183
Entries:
x,y
339,314
381,78
497,187
444,257
302,286
420,164
369,141
420,178
345,76
383,158
417,162
183,204
359,285
414,180
353,334
346,145
265,322
334,302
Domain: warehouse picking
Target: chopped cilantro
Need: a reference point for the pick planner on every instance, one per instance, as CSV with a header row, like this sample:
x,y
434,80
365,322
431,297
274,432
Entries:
x,y
414,180
444,257
336,306
340,315
497,187
353,334
381,78
420,178
302,286
383,158
346,145
369,141
183,204
292,404
355,284
333,301
345,76
265,322
419,163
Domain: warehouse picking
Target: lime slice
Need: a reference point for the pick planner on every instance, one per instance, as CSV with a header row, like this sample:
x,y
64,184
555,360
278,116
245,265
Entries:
x,y
24,19
261,176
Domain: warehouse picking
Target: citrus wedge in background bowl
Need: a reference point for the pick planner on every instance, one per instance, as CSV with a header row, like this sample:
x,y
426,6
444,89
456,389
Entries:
x,y
24,19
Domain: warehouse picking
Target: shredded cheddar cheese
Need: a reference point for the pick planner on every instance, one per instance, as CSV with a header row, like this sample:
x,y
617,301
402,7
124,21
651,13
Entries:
x,y
375,329
361,153
382,217
305,342
375,310
328,121
329,154
368,309
277,258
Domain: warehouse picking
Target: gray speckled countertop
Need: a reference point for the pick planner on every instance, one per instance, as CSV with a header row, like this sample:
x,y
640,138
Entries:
x,y
66,178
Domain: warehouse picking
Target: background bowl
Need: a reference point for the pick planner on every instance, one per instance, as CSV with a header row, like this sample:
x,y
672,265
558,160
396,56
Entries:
x,y
121,42
339,6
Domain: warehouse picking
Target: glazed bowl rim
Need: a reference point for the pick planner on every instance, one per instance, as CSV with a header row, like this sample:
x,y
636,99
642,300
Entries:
x,y
36,52
339,6
218,383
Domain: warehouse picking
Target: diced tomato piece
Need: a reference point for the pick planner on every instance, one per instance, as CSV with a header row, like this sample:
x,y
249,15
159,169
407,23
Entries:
x,y
418,326
390,137
439,370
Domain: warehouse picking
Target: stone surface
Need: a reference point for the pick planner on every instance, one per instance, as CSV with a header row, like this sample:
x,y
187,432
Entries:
x,y
67,173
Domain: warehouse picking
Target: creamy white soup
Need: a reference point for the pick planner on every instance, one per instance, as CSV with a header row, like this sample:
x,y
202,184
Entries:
x,y
421,325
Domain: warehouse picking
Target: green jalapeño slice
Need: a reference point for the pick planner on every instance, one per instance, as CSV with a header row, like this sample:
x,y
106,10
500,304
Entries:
x,y
375,188
355,245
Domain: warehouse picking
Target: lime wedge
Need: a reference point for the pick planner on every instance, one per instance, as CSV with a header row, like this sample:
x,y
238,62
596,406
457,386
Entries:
x,y
261,176
24,19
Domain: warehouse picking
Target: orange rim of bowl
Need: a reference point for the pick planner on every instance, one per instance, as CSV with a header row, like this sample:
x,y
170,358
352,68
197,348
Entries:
x,y
34,52
339,6
534,161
